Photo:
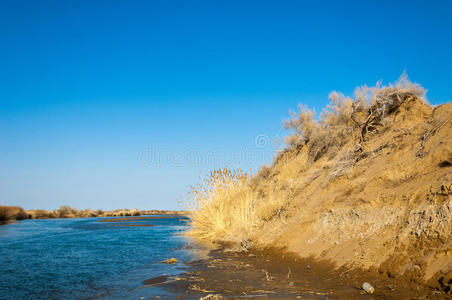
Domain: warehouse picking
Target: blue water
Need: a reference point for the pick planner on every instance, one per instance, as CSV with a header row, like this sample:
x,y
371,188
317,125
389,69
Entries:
x,y
88,259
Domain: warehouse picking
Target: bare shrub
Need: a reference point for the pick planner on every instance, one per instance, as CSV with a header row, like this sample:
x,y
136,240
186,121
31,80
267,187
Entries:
x,y
304,125
87,213
64,211
328,133
343,115
135,212
8,213
41,214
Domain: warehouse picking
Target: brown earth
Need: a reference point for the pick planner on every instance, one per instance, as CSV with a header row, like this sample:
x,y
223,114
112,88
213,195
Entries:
x,y
390,210
271,274
380,201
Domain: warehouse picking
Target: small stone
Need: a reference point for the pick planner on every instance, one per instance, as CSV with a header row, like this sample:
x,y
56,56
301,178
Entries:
x,y
368,288
212,297
171,261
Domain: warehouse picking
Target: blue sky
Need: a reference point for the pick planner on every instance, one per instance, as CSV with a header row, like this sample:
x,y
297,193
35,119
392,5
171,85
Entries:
x,y
113,104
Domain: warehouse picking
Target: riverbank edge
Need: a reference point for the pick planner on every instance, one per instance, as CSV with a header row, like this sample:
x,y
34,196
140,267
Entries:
x,y
11,214
273,273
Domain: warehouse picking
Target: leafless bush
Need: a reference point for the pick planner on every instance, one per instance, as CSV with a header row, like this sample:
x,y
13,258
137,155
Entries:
x,y
64,211
41,214
343,115
8,213
303,124
327,133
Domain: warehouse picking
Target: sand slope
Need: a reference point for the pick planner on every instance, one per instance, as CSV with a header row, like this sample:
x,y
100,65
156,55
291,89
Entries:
x,y
367,185
390,209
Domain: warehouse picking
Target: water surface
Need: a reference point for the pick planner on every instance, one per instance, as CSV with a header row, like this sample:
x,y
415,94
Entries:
x,y
88,259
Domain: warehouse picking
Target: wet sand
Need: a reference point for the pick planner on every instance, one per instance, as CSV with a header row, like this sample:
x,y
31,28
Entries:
x,y
270,274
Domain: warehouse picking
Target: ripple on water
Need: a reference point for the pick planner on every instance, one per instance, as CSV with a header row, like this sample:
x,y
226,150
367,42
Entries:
x,y
85,258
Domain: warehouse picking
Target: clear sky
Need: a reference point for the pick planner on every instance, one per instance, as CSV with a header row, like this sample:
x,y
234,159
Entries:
x,y
114,104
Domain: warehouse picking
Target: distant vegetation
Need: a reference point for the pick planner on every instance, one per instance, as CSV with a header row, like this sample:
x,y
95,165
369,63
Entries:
x,y
13,213
64,212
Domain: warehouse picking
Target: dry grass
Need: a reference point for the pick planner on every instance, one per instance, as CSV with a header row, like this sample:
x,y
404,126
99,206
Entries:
x,y
225,208
343,165
343,115
16,213
11,213
398,174
41,214
69,212
123,213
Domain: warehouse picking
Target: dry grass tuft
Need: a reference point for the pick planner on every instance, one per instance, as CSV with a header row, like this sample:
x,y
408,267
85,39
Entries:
x,y
225,208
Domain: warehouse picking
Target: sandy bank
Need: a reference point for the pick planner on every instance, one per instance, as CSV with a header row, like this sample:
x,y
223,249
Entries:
x,y
278,275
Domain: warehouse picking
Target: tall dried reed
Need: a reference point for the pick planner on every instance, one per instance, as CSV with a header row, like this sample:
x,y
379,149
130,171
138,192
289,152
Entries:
x,y
225,207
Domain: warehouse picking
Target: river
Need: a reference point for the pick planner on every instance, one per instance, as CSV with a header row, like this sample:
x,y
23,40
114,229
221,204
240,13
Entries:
x,y
89,259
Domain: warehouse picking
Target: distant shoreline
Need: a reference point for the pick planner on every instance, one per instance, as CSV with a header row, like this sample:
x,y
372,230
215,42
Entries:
x,y
11,214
